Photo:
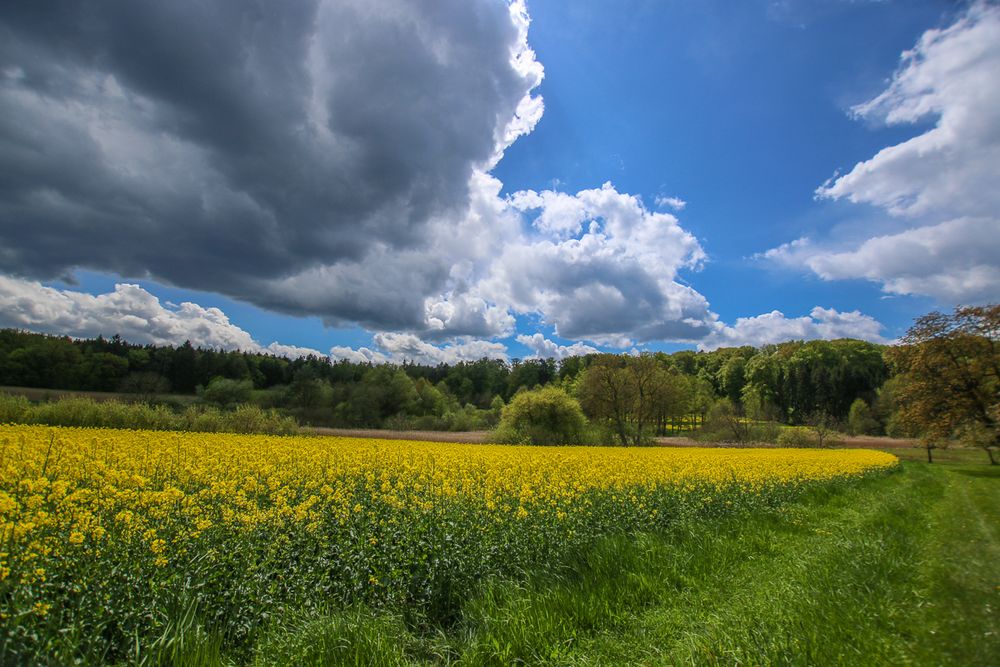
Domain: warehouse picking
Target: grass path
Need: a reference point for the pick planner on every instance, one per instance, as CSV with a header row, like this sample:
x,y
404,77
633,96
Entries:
x,y
962,579
901,570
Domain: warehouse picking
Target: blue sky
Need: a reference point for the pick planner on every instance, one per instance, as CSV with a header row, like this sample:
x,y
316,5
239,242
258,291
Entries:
x,y
740,109
424,218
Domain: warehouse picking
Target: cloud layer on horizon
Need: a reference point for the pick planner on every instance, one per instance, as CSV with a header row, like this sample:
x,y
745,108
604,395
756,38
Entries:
x,y
140,317
128,311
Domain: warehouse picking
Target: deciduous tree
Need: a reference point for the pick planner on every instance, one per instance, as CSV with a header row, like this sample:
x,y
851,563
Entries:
x,y
950,365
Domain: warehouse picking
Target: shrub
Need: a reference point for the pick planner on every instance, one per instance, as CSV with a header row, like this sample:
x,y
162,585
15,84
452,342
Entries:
x,y
13,408
114,414
252,419
860,420
223,392
796,436
547,416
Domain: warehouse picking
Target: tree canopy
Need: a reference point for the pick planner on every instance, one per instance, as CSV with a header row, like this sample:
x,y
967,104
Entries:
x,y
950,365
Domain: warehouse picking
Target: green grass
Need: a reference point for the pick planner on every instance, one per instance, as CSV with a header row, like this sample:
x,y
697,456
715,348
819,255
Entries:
x,y
903,569
968,455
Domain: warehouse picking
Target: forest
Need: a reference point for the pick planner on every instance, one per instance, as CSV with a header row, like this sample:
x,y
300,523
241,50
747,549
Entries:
x,y
790,382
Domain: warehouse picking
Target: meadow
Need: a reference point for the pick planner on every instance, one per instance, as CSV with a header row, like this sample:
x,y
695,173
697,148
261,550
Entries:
x,y
119,544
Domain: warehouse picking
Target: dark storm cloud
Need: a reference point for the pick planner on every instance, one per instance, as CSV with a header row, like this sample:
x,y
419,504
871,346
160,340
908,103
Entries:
x,y
232,145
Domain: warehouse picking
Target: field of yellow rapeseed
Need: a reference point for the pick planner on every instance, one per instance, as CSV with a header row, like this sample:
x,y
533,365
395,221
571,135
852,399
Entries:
x,y
103,530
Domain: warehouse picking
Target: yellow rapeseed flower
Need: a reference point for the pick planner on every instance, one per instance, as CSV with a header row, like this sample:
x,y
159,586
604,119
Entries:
x,y
134,492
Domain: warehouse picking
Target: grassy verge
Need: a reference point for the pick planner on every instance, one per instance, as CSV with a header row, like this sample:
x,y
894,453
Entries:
x,y
899,570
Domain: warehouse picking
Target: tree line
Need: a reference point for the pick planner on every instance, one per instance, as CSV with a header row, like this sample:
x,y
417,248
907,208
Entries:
x,y
795,379
941,382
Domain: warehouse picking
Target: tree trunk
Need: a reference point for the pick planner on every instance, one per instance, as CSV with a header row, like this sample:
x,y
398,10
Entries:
x,y
929,459
993,460
622,436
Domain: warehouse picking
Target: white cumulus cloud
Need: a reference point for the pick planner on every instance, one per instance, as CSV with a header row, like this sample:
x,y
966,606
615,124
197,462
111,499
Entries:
x,y
942,183
951,75
401,347
129,311
775,327
599,266
543,348
675,203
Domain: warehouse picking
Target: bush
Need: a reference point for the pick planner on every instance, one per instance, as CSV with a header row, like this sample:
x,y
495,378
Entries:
x,y
860,420
252,419
114,414
728,422
796,436
806,436
547,416
224,393
13,408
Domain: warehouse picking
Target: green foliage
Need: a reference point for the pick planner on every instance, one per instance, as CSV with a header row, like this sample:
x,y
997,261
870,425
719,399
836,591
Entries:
x,y
860,420
949,369
655,392
144,383
13,409
114,414
634,396
547,416
384,391
731,377
253,419
803,378
352,637
797,436
795,379
224,393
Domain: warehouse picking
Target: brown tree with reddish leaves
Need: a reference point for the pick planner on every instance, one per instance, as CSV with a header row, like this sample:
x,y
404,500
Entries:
x,y
950,365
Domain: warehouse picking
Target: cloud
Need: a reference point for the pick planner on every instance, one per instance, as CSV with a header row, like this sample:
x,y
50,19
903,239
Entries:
x,y
951,169
326,158
289,351
675,203
250,149
942,182
397,348
955,262
316,157
140,317
600,267
544,348
361,355
129,311
407,347
774,327
467,315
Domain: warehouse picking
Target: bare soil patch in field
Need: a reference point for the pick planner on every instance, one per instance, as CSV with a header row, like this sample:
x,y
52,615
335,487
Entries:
x,y
476,437
878,442
471,437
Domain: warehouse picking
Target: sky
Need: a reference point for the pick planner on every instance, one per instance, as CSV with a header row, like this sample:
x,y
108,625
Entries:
x,y
391,180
